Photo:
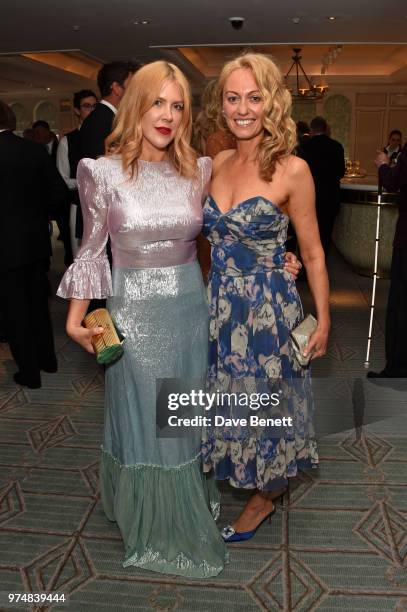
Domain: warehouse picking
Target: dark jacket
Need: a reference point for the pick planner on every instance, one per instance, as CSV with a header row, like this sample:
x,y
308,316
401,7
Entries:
x,y
74,156
392,156
54,150
395,179
31,191
326,159
94,131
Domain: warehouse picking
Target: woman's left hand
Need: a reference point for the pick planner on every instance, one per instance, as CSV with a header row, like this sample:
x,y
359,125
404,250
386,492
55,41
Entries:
x,y
292,264
318,343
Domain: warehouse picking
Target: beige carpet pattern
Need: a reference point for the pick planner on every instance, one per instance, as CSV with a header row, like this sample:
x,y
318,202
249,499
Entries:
x,y
337,542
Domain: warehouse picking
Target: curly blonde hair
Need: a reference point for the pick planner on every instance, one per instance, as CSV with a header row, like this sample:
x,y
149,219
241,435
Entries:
x,y
280,135
126,138
206,120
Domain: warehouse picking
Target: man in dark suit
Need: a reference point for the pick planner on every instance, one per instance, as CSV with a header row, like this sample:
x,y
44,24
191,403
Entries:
x,y
303,134
46,138
326,159
30,188
394,178
43,135
112,81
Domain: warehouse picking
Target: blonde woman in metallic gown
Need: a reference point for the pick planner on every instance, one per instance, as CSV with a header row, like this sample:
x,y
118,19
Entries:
x,y
146,194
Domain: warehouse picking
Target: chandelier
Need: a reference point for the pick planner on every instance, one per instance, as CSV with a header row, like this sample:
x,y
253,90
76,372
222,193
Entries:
x,y
304,88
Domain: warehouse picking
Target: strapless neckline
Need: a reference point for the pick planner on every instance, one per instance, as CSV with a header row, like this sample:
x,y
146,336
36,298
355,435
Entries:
x,y
239,204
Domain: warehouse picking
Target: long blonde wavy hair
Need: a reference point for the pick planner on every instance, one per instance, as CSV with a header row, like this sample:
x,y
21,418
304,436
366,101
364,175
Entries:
x,y
280,135
127,137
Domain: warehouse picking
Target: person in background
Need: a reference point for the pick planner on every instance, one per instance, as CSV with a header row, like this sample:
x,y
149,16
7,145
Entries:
x,y
29,133
208,138
112,81
45,137
69,154
303,134
326,159
30,188
204,123
393,147
394,178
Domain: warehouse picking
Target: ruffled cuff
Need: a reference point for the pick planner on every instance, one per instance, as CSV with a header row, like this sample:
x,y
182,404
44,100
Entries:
x,y
87,279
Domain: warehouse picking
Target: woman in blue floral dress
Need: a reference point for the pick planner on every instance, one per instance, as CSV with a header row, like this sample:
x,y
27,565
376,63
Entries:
x,y
255,191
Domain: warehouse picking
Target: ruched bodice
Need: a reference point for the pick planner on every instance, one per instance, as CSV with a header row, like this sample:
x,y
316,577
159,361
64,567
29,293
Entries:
x,y
253,306
248,238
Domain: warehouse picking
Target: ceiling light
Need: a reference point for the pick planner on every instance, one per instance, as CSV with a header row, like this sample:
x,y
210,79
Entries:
x,y
295,20
141,22
304,89
331,18
48,88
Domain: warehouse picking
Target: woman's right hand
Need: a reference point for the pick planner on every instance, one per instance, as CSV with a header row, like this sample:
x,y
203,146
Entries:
x,y
83,335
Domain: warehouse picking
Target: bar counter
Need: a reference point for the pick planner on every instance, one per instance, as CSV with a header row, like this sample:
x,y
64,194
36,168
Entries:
x,y
355,226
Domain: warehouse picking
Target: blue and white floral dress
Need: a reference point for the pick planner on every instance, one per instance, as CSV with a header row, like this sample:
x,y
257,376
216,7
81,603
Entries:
x,y
254,305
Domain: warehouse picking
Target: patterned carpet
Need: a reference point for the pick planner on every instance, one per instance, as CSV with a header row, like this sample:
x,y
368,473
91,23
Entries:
x,y
337,542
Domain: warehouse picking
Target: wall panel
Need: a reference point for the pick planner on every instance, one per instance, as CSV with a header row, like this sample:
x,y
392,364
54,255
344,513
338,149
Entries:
x,y
369,136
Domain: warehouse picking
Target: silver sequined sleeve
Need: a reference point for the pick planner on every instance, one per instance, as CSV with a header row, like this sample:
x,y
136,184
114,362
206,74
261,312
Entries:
x,y
205,167
89,276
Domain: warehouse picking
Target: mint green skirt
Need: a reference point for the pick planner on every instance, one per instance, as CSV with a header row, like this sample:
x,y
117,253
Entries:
x,y
154,488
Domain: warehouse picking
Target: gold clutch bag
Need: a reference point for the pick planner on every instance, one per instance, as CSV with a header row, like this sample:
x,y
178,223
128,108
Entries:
x,y
300,336
107,346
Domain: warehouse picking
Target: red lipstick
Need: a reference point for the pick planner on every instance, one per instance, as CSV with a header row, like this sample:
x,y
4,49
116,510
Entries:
x,y
164,130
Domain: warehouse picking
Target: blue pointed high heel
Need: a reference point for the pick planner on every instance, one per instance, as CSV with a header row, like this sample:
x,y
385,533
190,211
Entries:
x,y
229,534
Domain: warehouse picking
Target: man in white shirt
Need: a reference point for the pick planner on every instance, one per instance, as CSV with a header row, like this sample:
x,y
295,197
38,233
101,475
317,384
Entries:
x,y
69,154
394,146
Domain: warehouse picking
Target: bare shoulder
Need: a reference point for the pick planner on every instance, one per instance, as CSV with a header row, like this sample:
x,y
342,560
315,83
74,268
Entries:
x,y
221,158
295,167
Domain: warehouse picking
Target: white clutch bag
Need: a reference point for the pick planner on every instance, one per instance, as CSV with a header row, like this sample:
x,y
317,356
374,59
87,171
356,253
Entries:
x,y
300,336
